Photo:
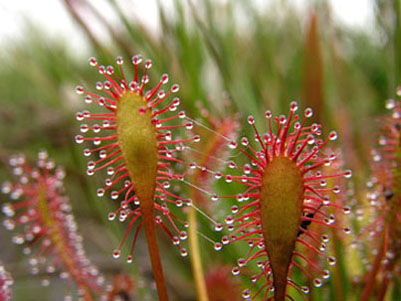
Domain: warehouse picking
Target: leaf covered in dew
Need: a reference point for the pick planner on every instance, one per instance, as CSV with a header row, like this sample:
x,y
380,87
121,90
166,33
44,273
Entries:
x,y
41,213
384,231
137,144
283,197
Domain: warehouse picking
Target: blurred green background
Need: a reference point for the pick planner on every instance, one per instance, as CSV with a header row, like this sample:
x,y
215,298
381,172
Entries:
x,y
258,56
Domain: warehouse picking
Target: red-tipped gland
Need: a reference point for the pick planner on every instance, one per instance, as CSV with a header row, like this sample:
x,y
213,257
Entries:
x,y
283,197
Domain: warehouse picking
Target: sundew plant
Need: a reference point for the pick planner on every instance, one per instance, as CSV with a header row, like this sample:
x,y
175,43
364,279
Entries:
x,y
239,151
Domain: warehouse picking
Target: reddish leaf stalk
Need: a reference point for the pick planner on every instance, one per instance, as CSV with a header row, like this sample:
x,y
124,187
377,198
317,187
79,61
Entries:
x,y
370,281
154,253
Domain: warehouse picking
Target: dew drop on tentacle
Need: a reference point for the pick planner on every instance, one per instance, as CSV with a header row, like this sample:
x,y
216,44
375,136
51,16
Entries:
x,y
235,271
333,136
308,112
317,282
347,230
79,90
326,274
218,246
116,254
111,216
79,139
346,210
92,62
232,144
246,294
348,174
251,120
218,227
100,192
331,260
214,197
184,252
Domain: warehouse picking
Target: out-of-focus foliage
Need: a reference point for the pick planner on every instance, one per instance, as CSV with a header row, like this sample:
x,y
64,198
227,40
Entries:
x,y
258,57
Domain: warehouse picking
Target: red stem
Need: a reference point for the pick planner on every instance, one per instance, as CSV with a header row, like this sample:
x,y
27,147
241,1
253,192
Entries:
x,y
154,253
371,277
383,289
